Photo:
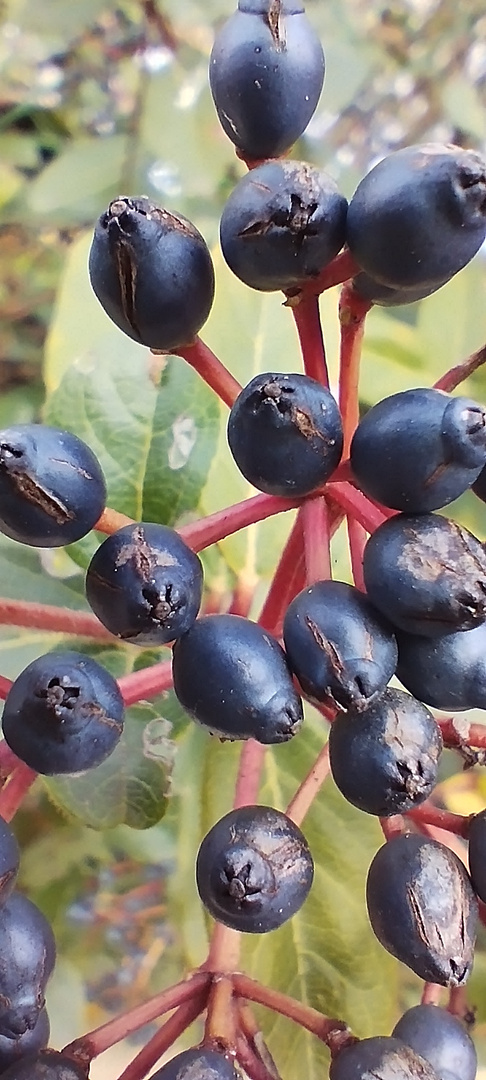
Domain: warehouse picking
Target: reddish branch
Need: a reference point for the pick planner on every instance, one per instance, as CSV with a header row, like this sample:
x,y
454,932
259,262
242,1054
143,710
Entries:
x,y
56,619
305,1015
15,789
352,315
173,1028
308,322
456,375
214,373
209,530
310,787
316,525
146,683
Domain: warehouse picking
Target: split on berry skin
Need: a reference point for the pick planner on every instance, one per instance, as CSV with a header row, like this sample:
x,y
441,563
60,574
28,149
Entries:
x,y
199,1063
46,1065
381,1057
254,869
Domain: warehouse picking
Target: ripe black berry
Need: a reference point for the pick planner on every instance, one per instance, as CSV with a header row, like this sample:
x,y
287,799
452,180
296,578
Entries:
x,y
63,714
419,216
380,1058
422,908
28,952
15,1050
145,584
419,450
339,646
254,869
441,1039
447,672
387,296
152,272
9,860
283,222
52,489
285,433
477,853
46,1065
384,759
199,1063
233,677
266,73
426,574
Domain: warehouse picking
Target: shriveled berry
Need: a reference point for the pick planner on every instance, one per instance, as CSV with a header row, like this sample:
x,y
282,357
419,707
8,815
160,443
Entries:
x,y
384,760
266,73
422,908
15,1050
199,1063
419,450
477,853
340,647
446,672
419,216
381,1058
28,952
285,433
52,489
46,1065
427,574
282,224
152,273
63,714
254,869
440,1038
144,584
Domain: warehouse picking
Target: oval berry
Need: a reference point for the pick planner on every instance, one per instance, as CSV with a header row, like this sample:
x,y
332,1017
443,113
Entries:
x,y
447,672
381,1057
13,1051
199,1063
28,952
441,1039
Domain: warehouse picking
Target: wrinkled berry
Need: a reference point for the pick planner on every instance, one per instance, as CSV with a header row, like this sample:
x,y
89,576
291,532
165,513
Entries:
x,y
380,1058
440,1038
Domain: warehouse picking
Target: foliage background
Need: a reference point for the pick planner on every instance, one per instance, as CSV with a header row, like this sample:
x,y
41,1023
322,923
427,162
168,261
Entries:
x,y
97,99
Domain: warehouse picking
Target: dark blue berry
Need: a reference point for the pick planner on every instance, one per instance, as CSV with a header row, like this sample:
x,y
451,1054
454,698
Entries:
x,y
199,1063
15,1050
426,574
422,908
380,1058
144,584
477,853
341,649
441,1039
387,295
419,450
254,869
266,73
28,952
419,216
63,714
152,272
46,1065
447,672
384,760
9,860
283,222
285,433
232,676
52,489
479,486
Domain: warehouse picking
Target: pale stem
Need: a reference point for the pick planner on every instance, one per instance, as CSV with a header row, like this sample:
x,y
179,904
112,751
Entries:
x,y
358,538
302,801
305,1015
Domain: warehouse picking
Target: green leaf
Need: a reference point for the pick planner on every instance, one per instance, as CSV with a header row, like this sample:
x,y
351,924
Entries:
x,y
77,184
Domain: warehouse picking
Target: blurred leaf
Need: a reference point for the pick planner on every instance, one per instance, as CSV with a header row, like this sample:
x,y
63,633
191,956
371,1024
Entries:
x,y
84,175
54,17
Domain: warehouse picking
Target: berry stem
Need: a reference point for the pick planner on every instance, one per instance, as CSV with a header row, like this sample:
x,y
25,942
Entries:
x,y
249,773
110,521
357,505
146,683
209,530
5,687
316,526
431,994
341,269
220,1027
14,790
308,322
357,541
173,1028
282,584
304,1015
352,316
8,761
49,617
458,374
214,373
250,1061
393,826
113,1031
310,787
458,733
443,819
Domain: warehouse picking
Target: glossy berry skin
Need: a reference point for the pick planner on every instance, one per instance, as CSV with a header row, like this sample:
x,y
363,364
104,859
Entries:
x,y
426,574
447,672
387,296
422,908
14,1050
381,1057
254,869
266,72
384,760
63,714
28,952
152,273
46,1065
282,224
233,678
144,584
52,489
419,216
285,434
477,853
440,1038
199,1063
419,450
341,649
9,860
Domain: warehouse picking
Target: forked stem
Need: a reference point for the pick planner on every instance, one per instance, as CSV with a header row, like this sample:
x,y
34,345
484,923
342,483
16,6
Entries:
x,y
173,1028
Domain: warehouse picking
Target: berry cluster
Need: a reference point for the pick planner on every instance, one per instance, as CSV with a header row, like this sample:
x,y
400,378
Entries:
x,y
417,608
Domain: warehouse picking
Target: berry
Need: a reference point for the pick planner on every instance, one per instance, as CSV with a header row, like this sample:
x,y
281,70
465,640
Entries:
x,y
419,450
479,486
422,908
63,714
9,860
233,677
254,869
387,296
282,224
266,72
419,216
152,273
199,1063
144,584
384,759
52,489
477,853
426,574
28,952
285,433
448,672
46,1065
441,1039
339,646
14,1050
380,1058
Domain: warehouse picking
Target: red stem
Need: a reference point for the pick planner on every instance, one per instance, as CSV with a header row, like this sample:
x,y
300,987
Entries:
x,y
15,789
304,1015
8,760
342,268
443,819
308,322
209,530
357,537
393,826
146,683
317,539
276,601
352,315
458,374
48,617
249,772
250,1062
431,994
173,1028
457,732
5,687
357,505
214,373
311,785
